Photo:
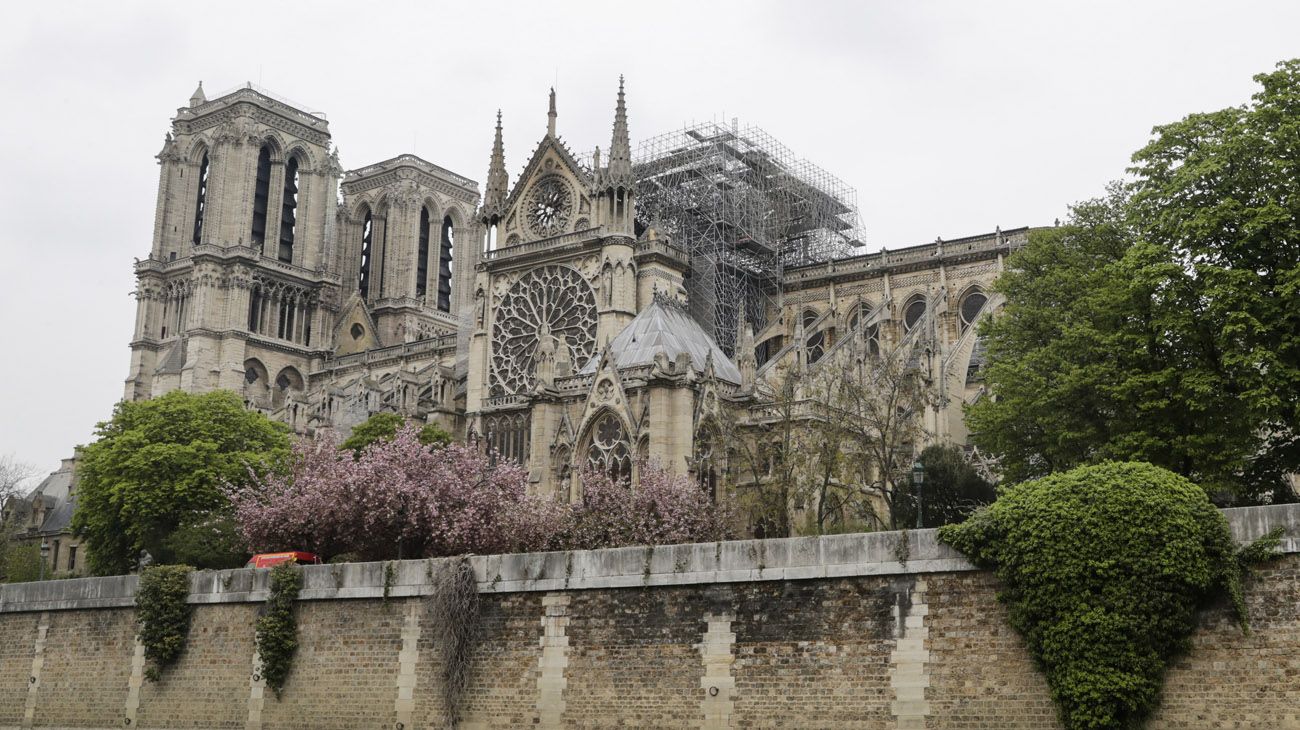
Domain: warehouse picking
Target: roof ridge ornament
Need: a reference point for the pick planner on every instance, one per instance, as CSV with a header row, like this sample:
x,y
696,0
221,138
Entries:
x,y
550,116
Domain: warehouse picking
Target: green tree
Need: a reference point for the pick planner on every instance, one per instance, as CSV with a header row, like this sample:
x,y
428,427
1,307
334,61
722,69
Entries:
x,y
161,464
22,562
951,491
207,542
1218,196
1162,323
384,427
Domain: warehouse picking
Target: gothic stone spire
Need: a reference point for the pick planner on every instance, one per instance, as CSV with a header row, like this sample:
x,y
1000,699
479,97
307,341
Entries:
x,y
494,197
620,148
198,97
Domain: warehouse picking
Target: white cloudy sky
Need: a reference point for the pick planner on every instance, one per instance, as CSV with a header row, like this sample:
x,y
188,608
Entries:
x,y
949,118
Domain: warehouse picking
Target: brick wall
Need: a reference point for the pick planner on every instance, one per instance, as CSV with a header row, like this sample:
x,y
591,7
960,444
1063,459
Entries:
x,y
819,633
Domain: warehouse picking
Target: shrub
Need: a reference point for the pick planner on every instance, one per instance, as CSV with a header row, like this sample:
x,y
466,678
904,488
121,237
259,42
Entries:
x,y
164,615
22,562
1103,569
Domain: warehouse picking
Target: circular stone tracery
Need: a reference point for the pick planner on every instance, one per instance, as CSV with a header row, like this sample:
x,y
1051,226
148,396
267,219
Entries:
x,y
549,205
556,296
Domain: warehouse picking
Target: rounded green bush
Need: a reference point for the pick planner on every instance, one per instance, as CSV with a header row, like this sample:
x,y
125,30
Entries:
x,y
1103,569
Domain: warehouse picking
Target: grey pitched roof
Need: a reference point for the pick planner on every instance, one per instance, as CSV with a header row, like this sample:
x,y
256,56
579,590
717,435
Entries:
x,y
667,327
55,486
60,518
59,504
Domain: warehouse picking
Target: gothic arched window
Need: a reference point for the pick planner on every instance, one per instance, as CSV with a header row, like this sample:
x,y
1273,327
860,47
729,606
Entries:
x,y
816,342
508,435
706,467
261,195
913,314
422,257
289,210
444,266
367,236
971,306
870,333
381,252
609,450
201,200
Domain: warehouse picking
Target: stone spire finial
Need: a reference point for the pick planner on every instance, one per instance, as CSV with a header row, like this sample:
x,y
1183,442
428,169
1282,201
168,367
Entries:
x,y
198,97
745,358
620,148
494,196
550,115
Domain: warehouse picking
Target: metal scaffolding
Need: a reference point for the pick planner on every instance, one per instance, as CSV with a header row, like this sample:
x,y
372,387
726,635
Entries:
x,y
745,208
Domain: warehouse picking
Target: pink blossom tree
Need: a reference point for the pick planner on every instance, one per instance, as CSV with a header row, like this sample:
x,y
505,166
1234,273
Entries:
x,y
402,498
662,508
399,497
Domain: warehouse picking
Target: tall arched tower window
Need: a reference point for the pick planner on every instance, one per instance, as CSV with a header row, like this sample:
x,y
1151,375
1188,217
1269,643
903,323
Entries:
x,y
261,195
444,266
201,200
382,254
288,211
367,237
422,258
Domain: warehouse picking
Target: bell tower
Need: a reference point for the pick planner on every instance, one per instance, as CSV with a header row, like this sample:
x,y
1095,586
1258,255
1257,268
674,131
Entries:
x,y
240,281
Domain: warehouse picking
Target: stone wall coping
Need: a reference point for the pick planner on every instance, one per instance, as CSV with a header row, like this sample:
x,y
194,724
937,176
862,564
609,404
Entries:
x,y
798,558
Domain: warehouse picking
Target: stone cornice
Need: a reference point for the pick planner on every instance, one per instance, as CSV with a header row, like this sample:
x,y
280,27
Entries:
x,y
736,561
905,260
426,173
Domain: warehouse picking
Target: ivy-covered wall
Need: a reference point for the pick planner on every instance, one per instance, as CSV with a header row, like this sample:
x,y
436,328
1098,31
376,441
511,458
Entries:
x,y
813,633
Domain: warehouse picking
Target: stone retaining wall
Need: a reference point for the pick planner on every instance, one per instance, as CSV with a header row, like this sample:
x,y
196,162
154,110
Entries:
x,y
829,632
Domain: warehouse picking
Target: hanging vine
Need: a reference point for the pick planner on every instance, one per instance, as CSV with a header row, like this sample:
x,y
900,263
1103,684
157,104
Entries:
x,y
277,629
454,610
163,615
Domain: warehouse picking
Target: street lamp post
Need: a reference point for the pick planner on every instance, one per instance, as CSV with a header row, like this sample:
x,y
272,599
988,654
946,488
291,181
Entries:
x,y
918,478
45,554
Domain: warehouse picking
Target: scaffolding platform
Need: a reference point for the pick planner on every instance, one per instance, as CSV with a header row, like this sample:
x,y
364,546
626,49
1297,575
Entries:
x,y
745,208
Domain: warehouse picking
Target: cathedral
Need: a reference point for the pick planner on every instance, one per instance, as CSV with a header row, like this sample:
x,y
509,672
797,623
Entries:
x,y
586,314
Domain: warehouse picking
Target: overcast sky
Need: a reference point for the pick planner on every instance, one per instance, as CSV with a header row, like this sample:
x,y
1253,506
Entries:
x,y
949,118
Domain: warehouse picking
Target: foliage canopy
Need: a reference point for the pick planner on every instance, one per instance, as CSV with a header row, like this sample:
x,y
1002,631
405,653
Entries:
x,y
384,427
951,491
1162,322
160,464
1103,569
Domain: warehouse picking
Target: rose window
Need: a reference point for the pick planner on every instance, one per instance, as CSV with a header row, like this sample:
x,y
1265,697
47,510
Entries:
x,y
551,299
609,450
550,204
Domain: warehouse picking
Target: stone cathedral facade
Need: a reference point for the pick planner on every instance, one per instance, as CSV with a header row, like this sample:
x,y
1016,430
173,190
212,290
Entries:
x,y
542,318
